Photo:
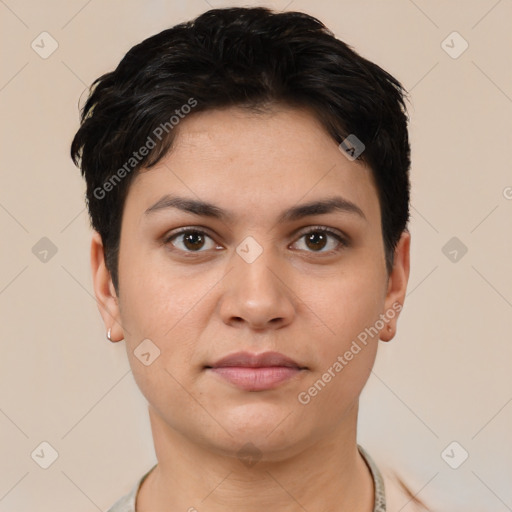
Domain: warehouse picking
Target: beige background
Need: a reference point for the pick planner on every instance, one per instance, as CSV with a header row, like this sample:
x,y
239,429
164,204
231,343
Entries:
x,y
446,376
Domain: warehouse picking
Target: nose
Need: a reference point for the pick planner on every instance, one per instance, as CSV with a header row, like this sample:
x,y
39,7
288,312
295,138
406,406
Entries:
x,y
257,294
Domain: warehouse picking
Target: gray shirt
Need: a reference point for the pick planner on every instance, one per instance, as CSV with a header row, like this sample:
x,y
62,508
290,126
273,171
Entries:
x,y
127,502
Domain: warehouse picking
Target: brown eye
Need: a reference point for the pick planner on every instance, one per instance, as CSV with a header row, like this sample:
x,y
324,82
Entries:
x,y
320,238
190,240
193,240
316,240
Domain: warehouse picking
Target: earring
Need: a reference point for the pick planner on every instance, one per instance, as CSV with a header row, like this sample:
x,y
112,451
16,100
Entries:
x,y
109,332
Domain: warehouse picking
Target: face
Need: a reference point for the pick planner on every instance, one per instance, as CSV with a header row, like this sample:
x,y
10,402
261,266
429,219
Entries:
x,y
275,246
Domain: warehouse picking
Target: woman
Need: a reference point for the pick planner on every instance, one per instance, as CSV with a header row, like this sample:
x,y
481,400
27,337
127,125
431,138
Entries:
x,y
248,185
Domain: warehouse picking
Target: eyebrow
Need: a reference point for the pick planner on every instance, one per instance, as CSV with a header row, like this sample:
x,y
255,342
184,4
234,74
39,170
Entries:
x,y
206,209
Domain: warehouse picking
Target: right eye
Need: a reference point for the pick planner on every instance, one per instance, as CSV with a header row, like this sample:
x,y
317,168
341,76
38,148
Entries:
x,y
190,240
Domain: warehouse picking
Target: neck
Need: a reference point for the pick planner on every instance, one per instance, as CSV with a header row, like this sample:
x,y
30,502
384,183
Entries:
x,y
329,475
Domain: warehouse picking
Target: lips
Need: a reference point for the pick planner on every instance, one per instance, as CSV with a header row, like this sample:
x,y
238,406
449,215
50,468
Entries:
x,y
256,372
248,360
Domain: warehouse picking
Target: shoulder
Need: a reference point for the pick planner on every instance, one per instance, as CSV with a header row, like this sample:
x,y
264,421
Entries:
x,y
391,493
127,502
399,497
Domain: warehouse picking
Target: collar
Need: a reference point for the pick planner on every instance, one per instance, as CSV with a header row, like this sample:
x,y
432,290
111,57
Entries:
x,y
127,503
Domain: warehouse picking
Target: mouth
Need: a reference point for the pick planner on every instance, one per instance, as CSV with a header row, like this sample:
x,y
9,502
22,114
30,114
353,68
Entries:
x,y
256,372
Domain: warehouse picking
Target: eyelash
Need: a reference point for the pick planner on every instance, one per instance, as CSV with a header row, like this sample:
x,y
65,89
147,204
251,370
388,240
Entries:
x,y
343,242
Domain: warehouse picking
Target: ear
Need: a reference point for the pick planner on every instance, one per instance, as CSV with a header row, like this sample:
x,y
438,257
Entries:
x,y
104,290
397,286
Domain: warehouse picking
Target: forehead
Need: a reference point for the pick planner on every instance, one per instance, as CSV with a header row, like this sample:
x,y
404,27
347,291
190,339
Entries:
x,y
281,134
235,157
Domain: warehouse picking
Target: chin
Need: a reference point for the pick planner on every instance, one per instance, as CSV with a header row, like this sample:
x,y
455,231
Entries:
x,y
270,428
252,447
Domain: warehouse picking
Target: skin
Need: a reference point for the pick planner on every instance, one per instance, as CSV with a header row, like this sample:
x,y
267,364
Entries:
x,y
304,299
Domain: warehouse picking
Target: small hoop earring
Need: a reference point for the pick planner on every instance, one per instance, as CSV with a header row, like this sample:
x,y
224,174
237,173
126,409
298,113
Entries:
x,y
109,332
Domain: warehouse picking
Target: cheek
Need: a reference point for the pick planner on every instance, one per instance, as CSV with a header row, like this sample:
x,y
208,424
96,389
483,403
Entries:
x,y
345,308
157,297
345,345
157,328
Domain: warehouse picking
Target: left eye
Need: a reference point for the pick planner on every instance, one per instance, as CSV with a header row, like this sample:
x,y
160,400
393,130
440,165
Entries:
x,y
318,238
